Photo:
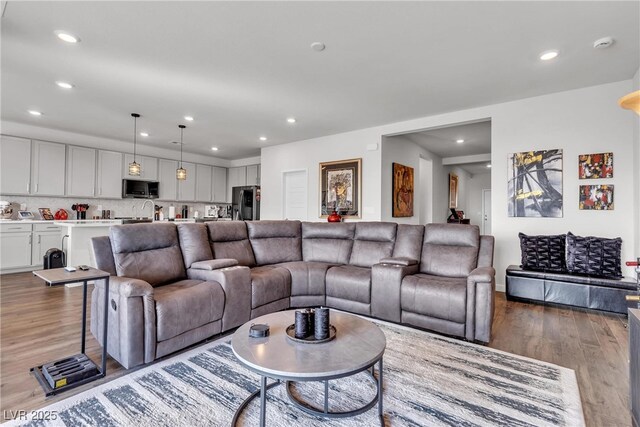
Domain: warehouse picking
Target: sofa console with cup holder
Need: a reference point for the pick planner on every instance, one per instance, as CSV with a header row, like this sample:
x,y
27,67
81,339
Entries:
x,y
571,270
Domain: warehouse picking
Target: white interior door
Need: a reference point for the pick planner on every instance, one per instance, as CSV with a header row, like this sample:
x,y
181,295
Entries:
x,y
294,190
486,212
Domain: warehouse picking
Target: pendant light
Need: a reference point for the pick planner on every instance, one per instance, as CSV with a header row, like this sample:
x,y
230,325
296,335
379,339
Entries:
x,y
134,168
181,173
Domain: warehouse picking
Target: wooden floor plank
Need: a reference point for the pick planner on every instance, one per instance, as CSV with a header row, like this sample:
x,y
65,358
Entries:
x,y
40,324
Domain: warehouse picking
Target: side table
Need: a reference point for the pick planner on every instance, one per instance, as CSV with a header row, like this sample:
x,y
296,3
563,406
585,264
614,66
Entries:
x,y
60,276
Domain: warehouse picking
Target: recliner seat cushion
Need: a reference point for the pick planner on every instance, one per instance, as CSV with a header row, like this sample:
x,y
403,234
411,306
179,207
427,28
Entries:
x,y
229,239
275,242
327,242
372,242
150,252
268,284
349,282
435,296
450,249
187,305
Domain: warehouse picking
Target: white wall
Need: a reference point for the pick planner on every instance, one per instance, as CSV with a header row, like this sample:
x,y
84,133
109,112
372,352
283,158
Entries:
x,y
578,121
636,175
306,155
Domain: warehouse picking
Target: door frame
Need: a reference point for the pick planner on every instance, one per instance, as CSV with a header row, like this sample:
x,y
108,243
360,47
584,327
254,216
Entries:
x,y
484,191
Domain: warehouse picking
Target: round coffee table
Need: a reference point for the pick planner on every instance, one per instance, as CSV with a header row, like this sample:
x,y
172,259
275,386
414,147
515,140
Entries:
x,y
359,345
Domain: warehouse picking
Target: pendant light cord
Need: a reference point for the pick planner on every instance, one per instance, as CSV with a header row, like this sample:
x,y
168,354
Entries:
x,y
181,134
135,134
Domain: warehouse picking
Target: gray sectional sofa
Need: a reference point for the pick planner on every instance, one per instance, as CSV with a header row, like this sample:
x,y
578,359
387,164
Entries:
x,y
175,285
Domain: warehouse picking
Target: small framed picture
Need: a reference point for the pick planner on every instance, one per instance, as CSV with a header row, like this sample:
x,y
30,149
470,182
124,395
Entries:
x,y
25,215
46,214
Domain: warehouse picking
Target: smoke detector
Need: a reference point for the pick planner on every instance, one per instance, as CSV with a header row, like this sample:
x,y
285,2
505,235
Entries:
x,y
603,43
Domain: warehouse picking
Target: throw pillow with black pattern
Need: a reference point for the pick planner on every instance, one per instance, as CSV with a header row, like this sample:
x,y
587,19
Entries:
x,y
594,256
543,253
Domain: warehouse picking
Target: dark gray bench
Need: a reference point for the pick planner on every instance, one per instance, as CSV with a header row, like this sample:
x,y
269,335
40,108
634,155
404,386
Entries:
x,y
569,289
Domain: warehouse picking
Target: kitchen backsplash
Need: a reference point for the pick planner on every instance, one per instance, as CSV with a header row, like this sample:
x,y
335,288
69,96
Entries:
x,y
118,207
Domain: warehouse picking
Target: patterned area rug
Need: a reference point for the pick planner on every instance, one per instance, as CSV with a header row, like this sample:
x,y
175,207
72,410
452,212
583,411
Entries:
x,y
428,381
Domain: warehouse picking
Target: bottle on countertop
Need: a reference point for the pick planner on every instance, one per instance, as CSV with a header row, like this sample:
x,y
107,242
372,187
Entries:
x,y
185,211
172,212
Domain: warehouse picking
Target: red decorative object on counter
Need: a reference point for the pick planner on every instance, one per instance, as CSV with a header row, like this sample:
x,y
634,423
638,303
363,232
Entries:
x,y
334,217
61,215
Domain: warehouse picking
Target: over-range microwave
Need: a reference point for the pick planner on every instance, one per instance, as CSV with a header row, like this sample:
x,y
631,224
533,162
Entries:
x,y
137,189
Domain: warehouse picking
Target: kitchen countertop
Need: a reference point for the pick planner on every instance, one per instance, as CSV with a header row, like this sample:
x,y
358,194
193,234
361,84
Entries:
x,y
25,221
89,223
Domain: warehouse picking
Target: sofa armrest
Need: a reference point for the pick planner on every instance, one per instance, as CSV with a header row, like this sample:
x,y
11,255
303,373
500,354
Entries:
x,y
127,287
132,319
481,287
214,264
404,261
236,284
386,280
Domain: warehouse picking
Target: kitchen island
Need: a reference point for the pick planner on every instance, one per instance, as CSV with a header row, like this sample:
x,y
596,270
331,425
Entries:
x,y
78,238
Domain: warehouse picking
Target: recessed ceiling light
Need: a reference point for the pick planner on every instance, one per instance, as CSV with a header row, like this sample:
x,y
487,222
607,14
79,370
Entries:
x,y
318,46
64,85
263,138
188,118
214,148
548,55
459,141
489,165
69,38
291,120
35,113
144,134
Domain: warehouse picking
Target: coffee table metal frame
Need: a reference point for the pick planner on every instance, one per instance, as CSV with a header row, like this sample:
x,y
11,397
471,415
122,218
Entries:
x,y
308,408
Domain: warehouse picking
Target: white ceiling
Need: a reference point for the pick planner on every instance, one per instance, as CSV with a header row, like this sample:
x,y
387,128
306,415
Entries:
x,y
442,141
241,68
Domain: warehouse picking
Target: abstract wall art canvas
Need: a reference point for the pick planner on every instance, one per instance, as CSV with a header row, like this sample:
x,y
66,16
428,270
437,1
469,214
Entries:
x,y
597,165
535,184
596,197
402,191
341,188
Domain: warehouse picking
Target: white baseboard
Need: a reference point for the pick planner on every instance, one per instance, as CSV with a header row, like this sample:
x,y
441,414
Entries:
x,y
500,287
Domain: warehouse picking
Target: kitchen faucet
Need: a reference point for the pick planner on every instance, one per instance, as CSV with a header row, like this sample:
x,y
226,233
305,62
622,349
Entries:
x,y
152,207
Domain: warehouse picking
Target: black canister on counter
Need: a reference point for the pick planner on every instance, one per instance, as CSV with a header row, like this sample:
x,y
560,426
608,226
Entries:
x,y
321,329
302,324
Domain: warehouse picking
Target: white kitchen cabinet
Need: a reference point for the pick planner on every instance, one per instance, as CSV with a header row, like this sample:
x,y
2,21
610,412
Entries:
x,y
43,241
204,179
148,167
15,165
15,247
187,188
253,175
81,171
108,176
168,184
219,184
48,168
237,177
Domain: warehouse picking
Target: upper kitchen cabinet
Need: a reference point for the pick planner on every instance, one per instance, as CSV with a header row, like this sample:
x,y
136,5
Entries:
x,y
203,183
219,184
187,188
108,176
253,175
15,165
148,167
81,171
47,168
167,178
237,177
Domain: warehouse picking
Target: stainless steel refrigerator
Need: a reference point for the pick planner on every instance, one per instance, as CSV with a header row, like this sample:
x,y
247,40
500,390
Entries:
x,y
245,203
